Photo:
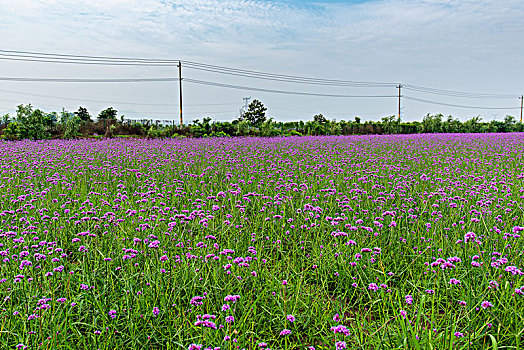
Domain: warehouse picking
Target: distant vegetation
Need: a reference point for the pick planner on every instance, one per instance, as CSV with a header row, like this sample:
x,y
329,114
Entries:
x,y
33,123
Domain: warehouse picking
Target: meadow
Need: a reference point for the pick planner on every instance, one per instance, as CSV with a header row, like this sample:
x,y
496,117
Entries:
x,y
334,242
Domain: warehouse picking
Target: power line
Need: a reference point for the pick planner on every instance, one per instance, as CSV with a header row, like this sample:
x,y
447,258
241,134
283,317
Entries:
x,y
76,80
108,60
454,93
113,102
105,60
84,57
282,77
127,61
454,105
210,83
87,63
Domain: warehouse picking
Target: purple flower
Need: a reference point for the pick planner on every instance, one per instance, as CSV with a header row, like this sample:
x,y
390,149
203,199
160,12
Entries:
x,y
285,332
196,300
336,318
454,281
409,299
459,335
112,313
373,287
341,329
232,298
230,319
156,311
195,347
340,345
290,318
485,304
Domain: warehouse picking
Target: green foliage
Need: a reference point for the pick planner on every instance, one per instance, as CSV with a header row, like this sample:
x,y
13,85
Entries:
x,y
65,116
510,123
33,123
474,124
72,127
108,114
242,128
11,131
200,129
153,132
110,131
219,134
256,113
6,119
319,118
83,114
432,123
390,124
268,128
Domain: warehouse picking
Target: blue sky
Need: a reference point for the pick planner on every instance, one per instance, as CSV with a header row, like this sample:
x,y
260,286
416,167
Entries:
x,y
467,45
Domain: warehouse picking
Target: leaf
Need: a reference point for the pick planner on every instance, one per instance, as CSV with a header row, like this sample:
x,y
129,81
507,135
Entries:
x,y
494,342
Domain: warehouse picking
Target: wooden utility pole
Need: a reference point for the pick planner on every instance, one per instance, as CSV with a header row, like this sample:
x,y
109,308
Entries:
x,y
180,89
399,96
521,105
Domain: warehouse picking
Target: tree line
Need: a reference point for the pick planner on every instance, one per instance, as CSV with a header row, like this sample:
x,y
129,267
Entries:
x,y
32,123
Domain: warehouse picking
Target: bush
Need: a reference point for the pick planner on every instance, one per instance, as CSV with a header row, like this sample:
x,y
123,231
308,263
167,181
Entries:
x,y
72,126
11,131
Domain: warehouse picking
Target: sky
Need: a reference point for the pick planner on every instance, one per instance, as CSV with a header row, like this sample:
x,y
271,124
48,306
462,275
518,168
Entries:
x,y
462,45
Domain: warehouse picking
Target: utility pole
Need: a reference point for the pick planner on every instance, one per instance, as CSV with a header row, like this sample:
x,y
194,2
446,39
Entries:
x,y
521,105
399,96
180,89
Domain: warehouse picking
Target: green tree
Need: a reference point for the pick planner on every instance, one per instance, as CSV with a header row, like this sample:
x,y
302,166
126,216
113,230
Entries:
x,y
83,114
11,132
108,114
319,118
268,128
451,125
33,123
72,126
242,128
432,123
256,113
6,119
65,116
390,124
510,123
474,124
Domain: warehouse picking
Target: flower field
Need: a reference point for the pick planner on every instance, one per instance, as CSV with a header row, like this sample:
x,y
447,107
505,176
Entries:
x,y
361,242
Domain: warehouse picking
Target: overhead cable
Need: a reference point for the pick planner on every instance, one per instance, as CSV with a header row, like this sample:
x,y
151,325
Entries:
x,y
454,105
210,83
76,80
113,102
454,93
